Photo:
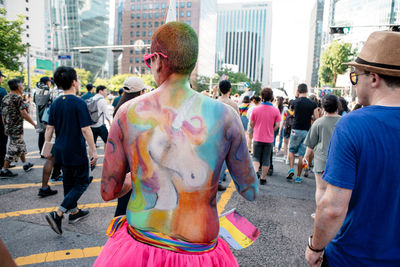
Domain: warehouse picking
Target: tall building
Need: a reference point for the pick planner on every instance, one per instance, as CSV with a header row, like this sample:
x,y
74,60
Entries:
x,y
34,25
79,23
315,43
136,21
244,39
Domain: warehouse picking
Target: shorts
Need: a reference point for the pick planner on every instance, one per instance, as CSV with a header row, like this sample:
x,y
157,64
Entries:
x,y
16,148
296,144
245,122
262,153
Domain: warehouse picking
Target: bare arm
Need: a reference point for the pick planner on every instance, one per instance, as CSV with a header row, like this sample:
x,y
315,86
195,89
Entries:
x,y
276,125
114,181
330,215
316,113
5,256
26,116
88,135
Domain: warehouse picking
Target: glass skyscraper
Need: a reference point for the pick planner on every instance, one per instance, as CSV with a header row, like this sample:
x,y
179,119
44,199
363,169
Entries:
x,y
77,23
244,39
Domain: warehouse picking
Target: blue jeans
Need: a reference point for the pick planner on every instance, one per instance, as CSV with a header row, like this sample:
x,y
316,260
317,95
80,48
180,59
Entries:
x,y
75,183
222,173
296,143
280,139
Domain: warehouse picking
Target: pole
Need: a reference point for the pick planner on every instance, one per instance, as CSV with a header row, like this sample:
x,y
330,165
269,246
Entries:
x,y
28,65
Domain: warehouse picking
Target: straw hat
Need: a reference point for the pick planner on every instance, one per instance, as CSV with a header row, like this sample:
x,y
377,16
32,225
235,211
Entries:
x,y
380,54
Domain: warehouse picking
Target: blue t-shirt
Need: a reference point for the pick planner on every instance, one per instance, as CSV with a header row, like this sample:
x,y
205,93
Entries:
x,y
116,101
364,156
87,96
69,114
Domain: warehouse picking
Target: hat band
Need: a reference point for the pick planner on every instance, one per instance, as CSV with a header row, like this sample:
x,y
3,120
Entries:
x,y
378,65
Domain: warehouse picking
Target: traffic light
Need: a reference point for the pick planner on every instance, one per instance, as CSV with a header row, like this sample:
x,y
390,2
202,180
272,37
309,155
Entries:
x,y
339,30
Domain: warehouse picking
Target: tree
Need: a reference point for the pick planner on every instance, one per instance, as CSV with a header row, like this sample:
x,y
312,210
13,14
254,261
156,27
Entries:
x,y
148,79
202,83
11,48
331,62
85,77
117,81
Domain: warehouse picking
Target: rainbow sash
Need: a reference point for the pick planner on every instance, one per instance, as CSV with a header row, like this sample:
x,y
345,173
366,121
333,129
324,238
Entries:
x,y
160,240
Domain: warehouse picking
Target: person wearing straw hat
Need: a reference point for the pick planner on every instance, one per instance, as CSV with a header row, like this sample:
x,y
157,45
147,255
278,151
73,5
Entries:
x,y
357,218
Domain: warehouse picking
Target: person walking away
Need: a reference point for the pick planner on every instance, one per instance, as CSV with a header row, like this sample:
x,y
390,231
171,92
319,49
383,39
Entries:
x,y
3,136
343,108
317,141
90,92
265,120
118,98
243,108
256,101
133,87
286,126
99,128
42,99
304,109
70,120
357,218
166,138
225,89
13,110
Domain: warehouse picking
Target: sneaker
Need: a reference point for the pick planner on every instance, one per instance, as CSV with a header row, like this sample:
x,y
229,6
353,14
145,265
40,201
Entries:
x,y
73,218
290,175
46,192
54,221
57,179
270,172
27,167
263,182
7,173
298,180
221,187
11,166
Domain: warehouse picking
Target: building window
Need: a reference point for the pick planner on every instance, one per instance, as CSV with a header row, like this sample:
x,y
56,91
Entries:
x,y
188,22
138,7
162,22
137,60
144,7
131,42
132,25
156,15
157,6
131,60
144,15
133,7
138,34
27,18
144,24
148,41
138,25
150,24
131,51
27,26
27,35
150,15
182,4
132,16
189,13
162,5
163,15
182,14
137,52
189,4
142,71
138,15
143,51
150,6
156,24
27,9
143,34
142,60
150,33
132,34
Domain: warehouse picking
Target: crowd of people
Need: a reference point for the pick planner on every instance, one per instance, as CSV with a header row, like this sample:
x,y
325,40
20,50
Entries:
x,y
167,152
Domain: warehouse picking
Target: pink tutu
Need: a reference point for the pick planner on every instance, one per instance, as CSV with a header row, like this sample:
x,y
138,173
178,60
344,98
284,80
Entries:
x,y
123,250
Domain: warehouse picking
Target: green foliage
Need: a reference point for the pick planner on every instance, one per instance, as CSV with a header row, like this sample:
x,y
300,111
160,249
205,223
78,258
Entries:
x,y
148,79
85,77
331,62
117,81
100,81
11,48
202,83
256,86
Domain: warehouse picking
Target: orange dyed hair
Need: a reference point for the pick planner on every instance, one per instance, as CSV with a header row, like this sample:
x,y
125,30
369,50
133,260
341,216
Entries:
x,y
179,42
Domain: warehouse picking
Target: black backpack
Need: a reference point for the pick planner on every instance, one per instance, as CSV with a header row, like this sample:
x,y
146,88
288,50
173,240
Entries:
x,y
287,125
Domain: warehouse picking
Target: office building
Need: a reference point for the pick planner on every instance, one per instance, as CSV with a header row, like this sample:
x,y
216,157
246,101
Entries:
x,y
244,39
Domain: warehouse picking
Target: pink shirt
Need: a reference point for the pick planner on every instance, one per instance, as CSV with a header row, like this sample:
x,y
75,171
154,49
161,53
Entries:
x,y
264,117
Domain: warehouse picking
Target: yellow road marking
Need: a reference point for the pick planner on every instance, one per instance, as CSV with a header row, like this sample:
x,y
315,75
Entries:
x,y
45,210
225,197
91,251
41,166
20,186
38,157
33,152
59,255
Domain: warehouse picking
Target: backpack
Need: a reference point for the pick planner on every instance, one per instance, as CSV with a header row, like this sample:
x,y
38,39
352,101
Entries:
x,y
287,125
93,109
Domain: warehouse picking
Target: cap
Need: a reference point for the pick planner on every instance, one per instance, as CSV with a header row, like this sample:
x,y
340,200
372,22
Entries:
x,y
133,84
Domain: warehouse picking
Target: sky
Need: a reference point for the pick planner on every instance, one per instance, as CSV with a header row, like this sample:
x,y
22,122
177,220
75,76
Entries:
x,y
290,31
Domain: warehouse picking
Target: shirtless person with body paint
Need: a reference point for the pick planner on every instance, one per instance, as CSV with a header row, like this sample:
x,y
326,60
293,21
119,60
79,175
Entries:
x,y
174,142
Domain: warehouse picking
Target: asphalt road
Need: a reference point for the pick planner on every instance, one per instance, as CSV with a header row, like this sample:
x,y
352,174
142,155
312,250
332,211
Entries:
x,y
281,212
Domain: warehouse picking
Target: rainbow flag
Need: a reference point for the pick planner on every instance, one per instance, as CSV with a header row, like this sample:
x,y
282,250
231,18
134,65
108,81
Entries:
x,y
237,230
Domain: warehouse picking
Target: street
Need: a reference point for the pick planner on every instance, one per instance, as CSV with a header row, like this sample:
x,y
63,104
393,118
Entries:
x,y
281,212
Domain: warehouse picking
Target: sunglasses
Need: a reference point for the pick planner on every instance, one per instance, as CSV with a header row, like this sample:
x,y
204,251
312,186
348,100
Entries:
x,y
354,77
148,57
